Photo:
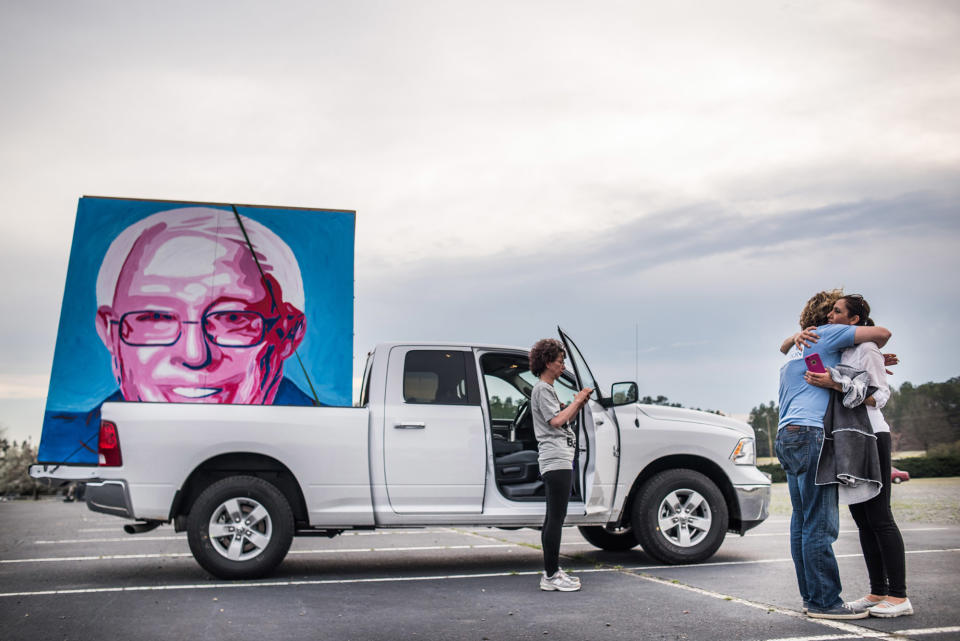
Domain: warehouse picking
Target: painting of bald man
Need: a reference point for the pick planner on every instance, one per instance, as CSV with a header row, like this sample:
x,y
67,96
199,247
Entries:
x,y
170,302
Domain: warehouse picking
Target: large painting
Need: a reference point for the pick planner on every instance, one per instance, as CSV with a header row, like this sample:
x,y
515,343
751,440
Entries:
x,y
172,302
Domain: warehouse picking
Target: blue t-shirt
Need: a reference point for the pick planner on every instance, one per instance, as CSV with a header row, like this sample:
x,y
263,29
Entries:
x,y
800,402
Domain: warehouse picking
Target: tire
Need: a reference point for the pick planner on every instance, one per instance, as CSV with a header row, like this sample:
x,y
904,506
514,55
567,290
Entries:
x,y
680,536
612,540
266,528
898,480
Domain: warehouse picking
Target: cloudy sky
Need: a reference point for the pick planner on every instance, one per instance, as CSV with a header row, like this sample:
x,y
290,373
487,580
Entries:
x,y
668,183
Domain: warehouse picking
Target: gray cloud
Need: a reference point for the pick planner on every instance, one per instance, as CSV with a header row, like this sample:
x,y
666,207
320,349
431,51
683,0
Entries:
x,y
711,293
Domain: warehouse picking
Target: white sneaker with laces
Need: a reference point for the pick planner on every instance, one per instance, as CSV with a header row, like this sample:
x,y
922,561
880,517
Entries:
x,y
559,582
575,579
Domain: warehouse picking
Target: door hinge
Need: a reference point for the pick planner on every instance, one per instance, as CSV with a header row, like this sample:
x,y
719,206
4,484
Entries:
x,y
616,451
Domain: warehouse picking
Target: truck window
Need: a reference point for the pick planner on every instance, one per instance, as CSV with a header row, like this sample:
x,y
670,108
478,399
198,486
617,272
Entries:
x,y
503,398
439,377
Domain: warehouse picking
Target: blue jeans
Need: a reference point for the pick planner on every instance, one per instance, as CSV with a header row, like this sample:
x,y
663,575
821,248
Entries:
x,y
815,522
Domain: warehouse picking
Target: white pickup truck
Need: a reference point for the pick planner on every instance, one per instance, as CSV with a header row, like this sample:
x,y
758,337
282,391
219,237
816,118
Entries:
x,y
434,440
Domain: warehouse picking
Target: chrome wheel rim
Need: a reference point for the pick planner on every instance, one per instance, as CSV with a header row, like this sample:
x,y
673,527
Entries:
x,y
684,518
240,529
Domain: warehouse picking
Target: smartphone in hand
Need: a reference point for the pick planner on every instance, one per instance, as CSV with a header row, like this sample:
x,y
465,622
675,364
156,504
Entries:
x,y
814,364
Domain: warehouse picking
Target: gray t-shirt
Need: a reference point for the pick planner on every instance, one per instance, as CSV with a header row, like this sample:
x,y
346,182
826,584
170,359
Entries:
x,y
557,445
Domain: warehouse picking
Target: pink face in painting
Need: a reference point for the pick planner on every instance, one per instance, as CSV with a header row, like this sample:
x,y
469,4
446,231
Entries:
x,y
184,329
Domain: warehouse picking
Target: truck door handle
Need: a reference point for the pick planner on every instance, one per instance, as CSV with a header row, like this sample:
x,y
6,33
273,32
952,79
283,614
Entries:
x,y
598,420
409,426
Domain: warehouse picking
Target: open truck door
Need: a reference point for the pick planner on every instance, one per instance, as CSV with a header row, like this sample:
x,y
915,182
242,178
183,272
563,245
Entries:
x,y
598,453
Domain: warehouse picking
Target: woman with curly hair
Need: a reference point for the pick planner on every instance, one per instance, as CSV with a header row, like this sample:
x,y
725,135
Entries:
x,y
556,443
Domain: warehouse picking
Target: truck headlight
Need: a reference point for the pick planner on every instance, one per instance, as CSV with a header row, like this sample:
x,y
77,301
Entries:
x,y
745,453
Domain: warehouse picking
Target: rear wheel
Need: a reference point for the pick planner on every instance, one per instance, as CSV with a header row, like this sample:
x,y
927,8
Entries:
x,y
240,528
680,516
608,538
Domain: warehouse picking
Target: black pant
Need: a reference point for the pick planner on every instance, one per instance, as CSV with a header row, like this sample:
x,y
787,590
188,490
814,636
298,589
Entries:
x,y
879,535
557,484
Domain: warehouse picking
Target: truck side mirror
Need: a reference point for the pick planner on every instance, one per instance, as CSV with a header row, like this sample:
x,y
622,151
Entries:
x,y
624,393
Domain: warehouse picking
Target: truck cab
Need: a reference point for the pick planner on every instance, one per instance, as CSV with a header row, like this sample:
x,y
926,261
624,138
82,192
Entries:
x,y
452,433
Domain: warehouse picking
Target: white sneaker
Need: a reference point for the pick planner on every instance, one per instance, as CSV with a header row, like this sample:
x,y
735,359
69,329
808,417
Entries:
x,y
559,582
863,603
887,610
574,579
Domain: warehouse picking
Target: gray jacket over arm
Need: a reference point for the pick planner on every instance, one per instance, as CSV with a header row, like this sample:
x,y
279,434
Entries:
x,y
849,455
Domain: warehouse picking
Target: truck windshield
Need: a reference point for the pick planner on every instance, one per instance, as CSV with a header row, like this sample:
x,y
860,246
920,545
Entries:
x,y
566,389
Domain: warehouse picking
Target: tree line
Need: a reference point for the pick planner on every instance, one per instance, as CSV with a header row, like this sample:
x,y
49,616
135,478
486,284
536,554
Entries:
x,y
921,417
15,458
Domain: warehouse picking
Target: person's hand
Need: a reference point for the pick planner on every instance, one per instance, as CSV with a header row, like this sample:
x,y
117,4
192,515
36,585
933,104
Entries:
x,y
889,360
583,395
821,379
806,337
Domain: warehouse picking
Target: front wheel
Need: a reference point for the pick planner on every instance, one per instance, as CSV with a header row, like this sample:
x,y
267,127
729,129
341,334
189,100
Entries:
x,y
240,528
680,516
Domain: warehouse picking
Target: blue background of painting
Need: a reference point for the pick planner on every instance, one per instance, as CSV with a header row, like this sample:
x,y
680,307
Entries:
x,y
322,241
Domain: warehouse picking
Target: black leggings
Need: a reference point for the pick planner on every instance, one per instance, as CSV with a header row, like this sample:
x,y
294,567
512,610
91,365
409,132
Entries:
x,y
557,484
879,535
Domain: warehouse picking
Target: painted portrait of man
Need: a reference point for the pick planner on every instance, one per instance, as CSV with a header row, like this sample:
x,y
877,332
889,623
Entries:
x,y
199,304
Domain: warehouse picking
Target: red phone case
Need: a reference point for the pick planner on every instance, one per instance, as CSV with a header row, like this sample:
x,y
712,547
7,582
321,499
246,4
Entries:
x,y
814,364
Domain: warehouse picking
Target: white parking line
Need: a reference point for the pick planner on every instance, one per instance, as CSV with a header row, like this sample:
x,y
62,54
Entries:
x,y
411,549
632,570
905,529
850,630
897,635
819,637
921,631
121,539
780,560
104,557
274,584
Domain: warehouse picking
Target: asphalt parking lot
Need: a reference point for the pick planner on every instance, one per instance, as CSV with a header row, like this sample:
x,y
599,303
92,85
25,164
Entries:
x,y
68,573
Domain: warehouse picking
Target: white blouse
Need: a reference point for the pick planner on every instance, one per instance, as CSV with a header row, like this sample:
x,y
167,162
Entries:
x,y
867,356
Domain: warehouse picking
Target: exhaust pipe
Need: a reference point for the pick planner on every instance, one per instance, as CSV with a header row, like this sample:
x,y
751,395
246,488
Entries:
x,y
141,527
